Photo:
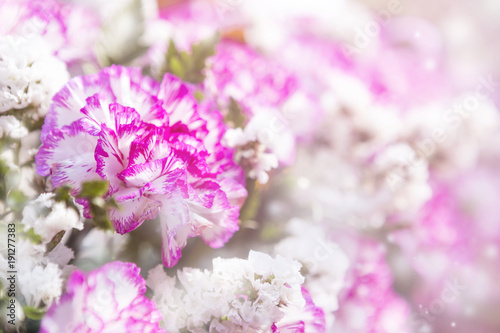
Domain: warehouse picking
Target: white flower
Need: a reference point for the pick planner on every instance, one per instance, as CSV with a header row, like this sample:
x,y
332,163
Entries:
x,y
48,217
356,124
29,74
264,143
11,127
40,276
236,296
325,263
447,133
405,176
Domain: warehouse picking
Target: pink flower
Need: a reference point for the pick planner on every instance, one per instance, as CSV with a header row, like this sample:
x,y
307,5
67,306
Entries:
x,y
440,236
250,78
452,247
367,302
268,95
158,149
310,319
109,299
192,22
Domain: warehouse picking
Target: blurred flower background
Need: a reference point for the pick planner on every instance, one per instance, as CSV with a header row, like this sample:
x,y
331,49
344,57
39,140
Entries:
x,y
250,166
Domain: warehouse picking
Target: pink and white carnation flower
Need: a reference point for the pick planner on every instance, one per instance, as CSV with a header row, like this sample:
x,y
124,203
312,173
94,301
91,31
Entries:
x,y
159,151
109,299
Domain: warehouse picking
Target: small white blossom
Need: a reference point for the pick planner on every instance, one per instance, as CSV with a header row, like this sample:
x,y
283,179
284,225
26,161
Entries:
x,y
29,74
447,133
251,154
405,176
40,276
11,127
264,143
325,263
48,217
236,296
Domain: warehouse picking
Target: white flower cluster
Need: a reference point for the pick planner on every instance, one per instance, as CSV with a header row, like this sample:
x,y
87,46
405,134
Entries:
x,y
41,270
325,264
448,132
236,296
407,185
12,128
29,74
48,217
251,152
40,275
369,178
262,144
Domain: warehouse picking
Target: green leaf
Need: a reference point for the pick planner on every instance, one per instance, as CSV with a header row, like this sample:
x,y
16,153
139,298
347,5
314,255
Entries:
x,y
54,241
172,50
4,169
99,212
33,237
176,67
252,203
270,232
94,192
93,189
63,194
16,199
235,116
199,95
189,66
33,313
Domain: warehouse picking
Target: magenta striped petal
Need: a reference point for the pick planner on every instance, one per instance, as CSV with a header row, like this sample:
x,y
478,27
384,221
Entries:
x,y
109,299
153,146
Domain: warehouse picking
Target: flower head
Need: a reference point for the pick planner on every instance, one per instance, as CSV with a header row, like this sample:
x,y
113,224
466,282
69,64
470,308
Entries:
x,y
236,296
367,302
266,93
12,128
48,217
29,74
109,299
152,143
40,275
325,264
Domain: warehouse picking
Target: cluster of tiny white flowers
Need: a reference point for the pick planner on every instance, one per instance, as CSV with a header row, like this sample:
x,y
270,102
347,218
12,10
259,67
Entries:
x,y
48,217
371,175
251,152
325,264
236,296
447,135
12,128
29,74
40,275
262,144
407,185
